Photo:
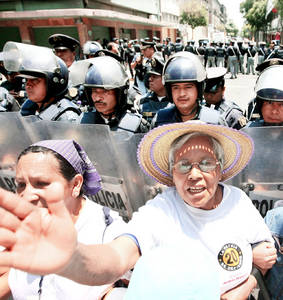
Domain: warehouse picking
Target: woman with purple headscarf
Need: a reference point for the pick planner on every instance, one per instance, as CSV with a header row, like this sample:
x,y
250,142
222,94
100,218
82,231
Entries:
x,y
60,172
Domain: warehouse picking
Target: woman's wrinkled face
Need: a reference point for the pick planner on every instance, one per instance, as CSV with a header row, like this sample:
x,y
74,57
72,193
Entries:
x,y
40,181
196,187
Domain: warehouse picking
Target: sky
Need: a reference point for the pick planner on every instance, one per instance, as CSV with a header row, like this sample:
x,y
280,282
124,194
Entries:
x,y
233,11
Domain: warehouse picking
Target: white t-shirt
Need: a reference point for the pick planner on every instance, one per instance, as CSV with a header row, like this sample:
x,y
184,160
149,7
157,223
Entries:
x,y
90,227
226,232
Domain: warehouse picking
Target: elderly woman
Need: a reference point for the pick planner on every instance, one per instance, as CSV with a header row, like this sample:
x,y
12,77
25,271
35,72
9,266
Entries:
x,y
196,211
59,171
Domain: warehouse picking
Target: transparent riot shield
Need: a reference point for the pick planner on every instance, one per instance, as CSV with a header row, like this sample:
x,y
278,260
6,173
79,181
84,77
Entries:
x,y
124,186
262,179
16,134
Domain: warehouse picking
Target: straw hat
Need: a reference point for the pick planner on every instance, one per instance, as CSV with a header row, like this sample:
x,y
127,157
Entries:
x,y
153,150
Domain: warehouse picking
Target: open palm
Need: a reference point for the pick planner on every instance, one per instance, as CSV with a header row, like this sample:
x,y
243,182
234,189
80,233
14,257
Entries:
x,y
37,240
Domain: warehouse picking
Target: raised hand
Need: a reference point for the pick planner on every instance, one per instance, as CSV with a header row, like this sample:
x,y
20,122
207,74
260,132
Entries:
x,y
37,240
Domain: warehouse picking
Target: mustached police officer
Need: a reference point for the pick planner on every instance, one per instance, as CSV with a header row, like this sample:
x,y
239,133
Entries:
x,y
106,85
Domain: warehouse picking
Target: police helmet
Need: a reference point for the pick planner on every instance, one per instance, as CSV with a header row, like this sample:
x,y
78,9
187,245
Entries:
x,y
156,64
184,67
269,84
91,47
215,79
269,62
107,73
63,41
35,61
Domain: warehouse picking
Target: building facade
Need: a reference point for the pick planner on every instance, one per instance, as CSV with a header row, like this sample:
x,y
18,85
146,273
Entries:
x,y
34,21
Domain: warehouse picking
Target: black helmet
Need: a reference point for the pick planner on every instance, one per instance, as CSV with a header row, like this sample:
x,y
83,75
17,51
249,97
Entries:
x,y
33,62
184,67
107,73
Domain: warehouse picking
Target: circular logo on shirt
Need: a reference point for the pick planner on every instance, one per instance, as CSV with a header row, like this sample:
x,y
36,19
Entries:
x,y
230,257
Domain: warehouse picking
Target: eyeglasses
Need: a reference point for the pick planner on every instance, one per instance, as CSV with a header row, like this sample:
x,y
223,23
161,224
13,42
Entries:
x,y
205,165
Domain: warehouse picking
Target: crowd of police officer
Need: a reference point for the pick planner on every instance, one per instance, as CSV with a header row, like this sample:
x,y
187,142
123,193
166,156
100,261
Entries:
x,y
137,85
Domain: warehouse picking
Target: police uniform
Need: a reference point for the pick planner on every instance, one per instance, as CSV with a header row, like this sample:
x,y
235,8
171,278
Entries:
x,y
232,53
261,52
127,121
251,52
242,53
190,47
61,110
231,114
151,103
141,69
220,55
178,45
172,115
210,54
200,51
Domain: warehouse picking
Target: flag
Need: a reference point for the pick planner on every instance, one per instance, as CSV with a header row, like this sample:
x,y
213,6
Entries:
x,y
269,7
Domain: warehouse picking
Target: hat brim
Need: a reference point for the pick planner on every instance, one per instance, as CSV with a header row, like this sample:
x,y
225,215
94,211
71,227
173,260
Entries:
x,y
153,150
154,73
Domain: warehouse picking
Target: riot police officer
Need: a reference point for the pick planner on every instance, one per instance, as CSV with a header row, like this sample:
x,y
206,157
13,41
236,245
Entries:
x,y
233,56
65,47
178,45
90,48
251,52
220,55
47,81
190,47
106,85
184,79
141,65
168,48
214,98
210,55
7,101
261,52
242,53
252,112
156,98
269,97
200,51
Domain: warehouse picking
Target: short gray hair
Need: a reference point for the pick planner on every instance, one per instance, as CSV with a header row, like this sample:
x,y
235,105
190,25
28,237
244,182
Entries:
x,y
183,139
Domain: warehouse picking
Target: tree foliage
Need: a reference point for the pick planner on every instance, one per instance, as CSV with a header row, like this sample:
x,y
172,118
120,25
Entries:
x,y
231,29
193,15
256,15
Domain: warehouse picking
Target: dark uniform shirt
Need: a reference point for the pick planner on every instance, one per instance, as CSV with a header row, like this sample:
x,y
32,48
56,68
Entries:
x,y
150,105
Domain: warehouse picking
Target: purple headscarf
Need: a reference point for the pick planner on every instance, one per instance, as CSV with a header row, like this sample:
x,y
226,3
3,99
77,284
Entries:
x,y
77,157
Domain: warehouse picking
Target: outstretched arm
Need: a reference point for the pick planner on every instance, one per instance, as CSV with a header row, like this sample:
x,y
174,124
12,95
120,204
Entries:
x,y
242,291
43,241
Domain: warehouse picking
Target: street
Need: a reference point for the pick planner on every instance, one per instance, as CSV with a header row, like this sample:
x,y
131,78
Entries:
x,y
241,89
